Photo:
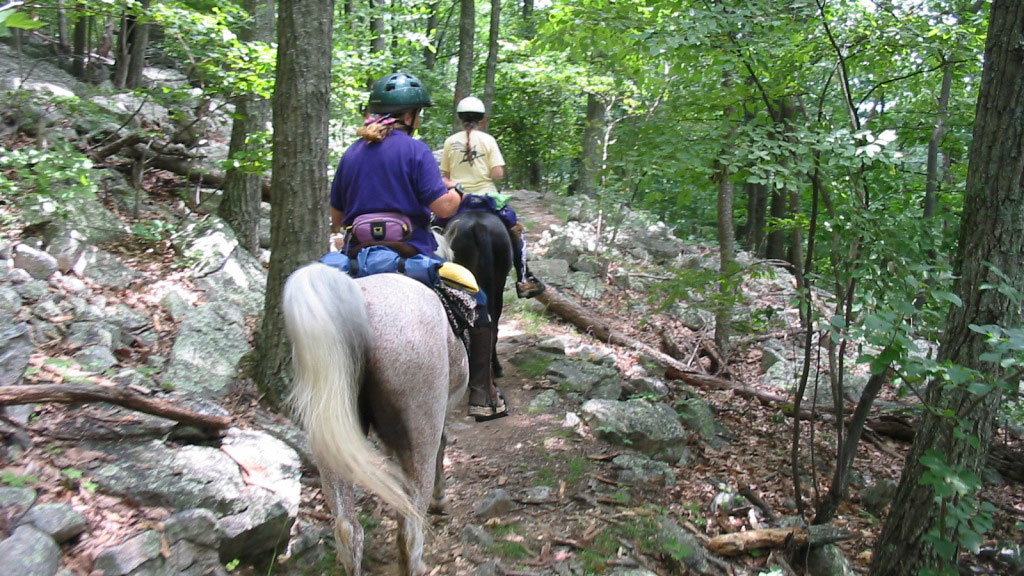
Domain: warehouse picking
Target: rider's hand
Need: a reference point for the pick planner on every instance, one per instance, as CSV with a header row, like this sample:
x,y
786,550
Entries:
x,y
337,241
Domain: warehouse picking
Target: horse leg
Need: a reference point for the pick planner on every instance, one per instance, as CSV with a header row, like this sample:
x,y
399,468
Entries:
x,y
419,469
439,503
348,532
498,370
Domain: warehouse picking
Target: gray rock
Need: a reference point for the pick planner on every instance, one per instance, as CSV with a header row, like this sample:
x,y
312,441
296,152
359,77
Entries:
x,y
877,496
476,536
15,501
828,560
654,429
258,531
772,353
67,250
37,263
197,525
58,519
497,503
10,300
32,290
29,552
130,555
175,304
696,415
96,359
552,270
608,389
84,334
209,345
544,402
154,474
15,349
586,286
537,495
578,376
681,547
190,559
106,269
636,469
645,385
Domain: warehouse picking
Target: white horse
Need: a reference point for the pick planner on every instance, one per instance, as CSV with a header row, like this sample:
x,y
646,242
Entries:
x,y
374,353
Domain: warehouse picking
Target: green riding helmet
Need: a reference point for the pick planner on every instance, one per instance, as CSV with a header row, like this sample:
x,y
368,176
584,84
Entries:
x,y
398,91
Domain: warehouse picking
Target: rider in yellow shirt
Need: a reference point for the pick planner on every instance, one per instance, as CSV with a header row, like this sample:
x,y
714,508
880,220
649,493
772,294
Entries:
x,y
472,159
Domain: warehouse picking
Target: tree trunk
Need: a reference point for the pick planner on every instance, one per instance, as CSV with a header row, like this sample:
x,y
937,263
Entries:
x,y
63,43
991,236
430,51
139,43
932,176
492,53
123,49
529,30
379,41
80,47
464,76
240,207
298,220
590,159
776,248
756,206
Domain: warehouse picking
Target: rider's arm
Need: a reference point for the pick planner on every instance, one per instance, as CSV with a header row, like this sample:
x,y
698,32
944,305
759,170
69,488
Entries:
x,y
447,205
497,172
337,216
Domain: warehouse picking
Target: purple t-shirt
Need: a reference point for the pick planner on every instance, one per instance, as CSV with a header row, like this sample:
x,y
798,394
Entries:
x,y
398,174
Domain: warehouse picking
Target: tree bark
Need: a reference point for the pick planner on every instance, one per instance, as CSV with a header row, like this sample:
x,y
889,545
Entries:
x,y
80,48
754,229
63,43
298,221
380,40
464,76
776,248
139,43
430,51
742,542
68,393
240,207
492,54
991,238
590,155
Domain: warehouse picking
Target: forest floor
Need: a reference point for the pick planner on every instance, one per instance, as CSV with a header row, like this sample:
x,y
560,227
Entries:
x,y
595,523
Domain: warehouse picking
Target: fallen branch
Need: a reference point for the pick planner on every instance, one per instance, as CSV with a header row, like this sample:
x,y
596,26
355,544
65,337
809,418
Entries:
x,y
67,393
812,536
186,169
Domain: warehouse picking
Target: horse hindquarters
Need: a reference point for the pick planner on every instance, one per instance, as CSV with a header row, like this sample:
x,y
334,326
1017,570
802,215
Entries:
x,y
326,319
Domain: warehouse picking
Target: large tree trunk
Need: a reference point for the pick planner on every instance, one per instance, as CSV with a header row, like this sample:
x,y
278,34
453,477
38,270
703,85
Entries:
x,y
776,248
590,160
240,207
139,44
492,53
380,40
529,30
754,229
464,77
298,220
80,47
63,43
991,236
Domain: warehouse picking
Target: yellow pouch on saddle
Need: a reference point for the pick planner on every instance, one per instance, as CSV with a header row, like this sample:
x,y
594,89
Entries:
x,y
458,276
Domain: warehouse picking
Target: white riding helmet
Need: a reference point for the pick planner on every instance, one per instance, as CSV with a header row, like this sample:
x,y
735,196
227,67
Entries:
x,y
470,104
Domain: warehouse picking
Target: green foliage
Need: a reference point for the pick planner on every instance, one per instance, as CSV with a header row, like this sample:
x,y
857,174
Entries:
x,y
152,231
42,182
963,518
14,480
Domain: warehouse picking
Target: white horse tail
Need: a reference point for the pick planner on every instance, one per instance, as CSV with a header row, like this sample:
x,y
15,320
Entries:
x,y
325,316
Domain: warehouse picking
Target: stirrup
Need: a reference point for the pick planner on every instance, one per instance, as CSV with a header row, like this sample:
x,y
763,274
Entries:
x,y
531,287
499,409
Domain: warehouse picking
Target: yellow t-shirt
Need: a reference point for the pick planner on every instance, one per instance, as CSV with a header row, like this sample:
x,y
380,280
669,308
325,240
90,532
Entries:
x,y
473,173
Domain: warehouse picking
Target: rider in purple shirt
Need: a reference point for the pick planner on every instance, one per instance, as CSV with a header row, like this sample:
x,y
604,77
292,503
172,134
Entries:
x,y
389,171
372,167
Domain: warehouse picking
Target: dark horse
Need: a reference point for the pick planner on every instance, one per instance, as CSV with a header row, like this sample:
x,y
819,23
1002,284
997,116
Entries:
x,y
479,241
374,353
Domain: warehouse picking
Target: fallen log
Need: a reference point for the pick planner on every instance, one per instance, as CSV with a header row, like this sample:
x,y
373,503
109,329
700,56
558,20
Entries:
x,y
739,543
1002,459
188,170
67,393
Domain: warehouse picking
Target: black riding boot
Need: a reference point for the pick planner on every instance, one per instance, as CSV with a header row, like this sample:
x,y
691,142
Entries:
x,y
527,285
485,400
